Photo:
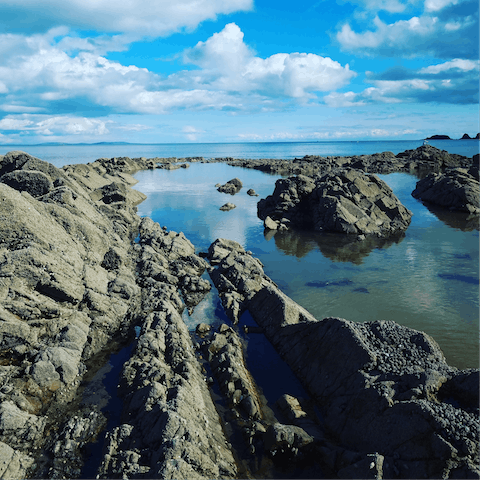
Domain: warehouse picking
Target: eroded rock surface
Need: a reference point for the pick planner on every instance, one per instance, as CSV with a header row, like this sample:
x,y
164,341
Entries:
x,y
346,201
385,392
73,283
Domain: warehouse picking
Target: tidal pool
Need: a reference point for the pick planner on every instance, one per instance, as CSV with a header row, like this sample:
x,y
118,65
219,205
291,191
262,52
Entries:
x,y
426,279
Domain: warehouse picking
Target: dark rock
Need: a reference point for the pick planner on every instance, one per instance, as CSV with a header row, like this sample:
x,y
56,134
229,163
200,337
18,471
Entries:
x,y
252,192
455,189
466,136
438,137
380,387
34,182
346,201
286,440
231,187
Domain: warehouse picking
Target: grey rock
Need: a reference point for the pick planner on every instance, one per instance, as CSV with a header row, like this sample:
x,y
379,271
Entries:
x,y
231,187
252,192
346,201
454,189
380,387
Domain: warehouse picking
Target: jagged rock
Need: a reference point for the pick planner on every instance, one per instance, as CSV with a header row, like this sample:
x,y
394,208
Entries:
x,y
228,206
454,189
252,192
347,201
231,187
380,387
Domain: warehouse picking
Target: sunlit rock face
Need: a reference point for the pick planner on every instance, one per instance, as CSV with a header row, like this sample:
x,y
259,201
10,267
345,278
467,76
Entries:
x,y
346,201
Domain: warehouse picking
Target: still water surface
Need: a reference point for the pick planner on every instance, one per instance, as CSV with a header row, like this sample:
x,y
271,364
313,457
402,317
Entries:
x,y
427,280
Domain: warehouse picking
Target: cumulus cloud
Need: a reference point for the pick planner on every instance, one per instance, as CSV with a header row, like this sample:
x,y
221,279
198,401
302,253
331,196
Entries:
x,y
158,18
38,73
451,33
228,64
454,82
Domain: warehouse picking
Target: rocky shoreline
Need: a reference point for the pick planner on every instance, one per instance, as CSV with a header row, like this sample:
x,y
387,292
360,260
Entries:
x,y
82,276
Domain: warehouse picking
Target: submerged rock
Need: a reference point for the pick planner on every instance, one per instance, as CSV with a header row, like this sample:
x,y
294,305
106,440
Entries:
x,y
346,201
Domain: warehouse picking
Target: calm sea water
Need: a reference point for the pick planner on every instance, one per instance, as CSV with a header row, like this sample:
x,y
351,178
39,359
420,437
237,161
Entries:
x,y
60,155
428,280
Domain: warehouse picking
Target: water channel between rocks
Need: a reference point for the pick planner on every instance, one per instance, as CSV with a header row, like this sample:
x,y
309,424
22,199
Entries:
x,y
428,280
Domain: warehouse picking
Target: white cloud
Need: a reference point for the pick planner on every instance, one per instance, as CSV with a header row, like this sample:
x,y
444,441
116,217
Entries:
x,y
436,5
229,64
38,73
461,64
417,36
192,132
440,83
55,125
156,18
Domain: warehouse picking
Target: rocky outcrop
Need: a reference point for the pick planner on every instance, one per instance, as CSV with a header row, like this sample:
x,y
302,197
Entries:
x,y
455,189
428,157
232,187
385,392
346,201
73,284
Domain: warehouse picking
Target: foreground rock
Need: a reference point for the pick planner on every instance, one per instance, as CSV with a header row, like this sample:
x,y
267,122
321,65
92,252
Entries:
x,y
231,187
455,189
73,284
346,201
385,392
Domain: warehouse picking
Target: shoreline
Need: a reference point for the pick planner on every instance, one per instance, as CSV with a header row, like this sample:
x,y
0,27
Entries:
x,y
80,270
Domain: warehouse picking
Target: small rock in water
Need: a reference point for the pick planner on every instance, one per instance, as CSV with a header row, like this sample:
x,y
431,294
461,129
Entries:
x,y
228,206
203,328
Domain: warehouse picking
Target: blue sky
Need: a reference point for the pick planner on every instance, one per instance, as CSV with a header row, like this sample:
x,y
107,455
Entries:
x,y
237,70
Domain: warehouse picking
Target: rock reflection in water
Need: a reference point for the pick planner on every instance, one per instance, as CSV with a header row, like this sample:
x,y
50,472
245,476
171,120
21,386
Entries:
x,y
466,222
336,247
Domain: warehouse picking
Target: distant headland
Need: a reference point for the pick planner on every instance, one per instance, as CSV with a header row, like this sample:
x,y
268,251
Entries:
x,y
465,136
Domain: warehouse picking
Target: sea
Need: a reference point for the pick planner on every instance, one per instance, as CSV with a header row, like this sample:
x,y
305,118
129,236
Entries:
x,y
427,280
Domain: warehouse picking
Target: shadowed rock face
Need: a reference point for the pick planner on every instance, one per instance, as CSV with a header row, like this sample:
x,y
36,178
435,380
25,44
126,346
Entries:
x,y
346,201
383,390
455,189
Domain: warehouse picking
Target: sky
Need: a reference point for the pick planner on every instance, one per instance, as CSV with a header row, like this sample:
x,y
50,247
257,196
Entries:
x,y
143,71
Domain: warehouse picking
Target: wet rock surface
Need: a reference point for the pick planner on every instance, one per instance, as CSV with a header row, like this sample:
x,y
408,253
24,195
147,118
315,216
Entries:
x,y
385,392
455,189
346,201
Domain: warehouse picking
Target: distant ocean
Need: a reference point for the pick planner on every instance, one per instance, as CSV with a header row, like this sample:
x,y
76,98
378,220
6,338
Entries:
x,y
60,155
